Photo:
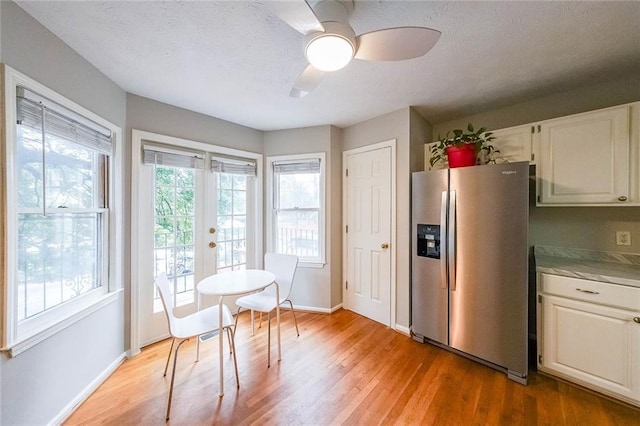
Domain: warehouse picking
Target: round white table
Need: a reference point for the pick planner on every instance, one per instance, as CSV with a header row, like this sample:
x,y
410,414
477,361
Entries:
x,y
234,283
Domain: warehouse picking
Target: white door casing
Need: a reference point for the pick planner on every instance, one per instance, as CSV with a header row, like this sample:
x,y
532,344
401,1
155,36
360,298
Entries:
x,y
369,232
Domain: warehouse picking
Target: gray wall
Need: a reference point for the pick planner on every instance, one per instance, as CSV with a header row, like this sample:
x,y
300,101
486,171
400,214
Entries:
x,y
317,287
39,383
579,227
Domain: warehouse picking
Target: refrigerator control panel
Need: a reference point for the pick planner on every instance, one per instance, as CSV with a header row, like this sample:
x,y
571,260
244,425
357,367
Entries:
x,y
429,241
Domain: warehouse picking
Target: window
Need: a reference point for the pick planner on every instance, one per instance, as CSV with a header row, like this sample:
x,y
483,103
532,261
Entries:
x,y
297,206
59,164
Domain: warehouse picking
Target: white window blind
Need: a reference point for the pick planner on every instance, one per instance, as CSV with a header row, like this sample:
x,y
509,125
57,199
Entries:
x,y
155,155
33,110
297,166
237,166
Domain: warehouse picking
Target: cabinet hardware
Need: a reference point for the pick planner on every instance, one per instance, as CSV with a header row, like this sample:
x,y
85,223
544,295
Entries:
x,y
384,246
636,320
212,230
212,244
533,129
539,298
540,359
622,198
539,128
588,291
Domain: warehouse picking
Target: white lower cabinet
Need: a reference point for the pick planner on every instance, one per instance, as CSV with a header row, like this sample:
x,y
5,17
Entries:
x,y
589,333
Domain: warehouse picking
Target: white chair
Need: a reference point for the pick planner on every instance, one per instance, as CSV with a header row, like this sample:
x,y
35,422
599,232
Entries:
x,y
283,266
193,325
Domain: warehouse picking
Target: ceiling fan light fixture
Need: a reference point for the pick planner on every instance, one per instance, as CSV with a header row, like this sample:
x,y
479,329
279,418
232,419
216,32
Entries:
x,y
332,49
329,52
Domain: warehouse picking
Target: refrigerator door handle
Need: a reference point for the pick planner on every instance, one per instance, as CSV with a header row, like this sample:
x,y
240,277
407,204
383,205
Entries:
x,y
443,240
451,243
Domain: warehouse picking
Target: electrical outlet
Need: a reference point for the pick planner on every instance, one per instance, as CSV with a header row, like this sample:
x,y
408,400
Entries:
x,y
623,238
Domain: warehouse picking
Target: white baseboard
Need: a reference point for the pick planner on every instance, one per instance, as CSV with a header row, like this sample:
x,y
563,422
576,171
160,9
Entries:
x,y
404,330
86,392
303,308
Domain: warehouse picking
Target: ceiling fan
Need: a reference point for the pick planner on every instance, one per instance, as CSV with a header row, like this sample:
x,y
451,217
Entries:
x,y
331,43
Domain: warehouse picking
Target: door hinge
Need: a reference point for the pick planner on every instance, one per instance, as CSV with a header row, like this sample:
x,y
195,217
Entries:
x,y
539,298
539,199
346,283
346,172
346,229
533,129
540,359
533,157
539,128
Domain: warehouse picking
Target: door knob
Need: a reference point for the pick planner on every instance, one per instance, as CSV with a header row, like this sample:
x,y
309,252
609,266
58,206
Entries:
x,y
384,246
212,244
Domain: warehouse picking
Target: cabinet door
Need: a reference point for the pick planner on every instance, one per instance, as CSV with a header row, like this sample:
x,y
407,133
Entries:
x,y
514,143
596,346
585,158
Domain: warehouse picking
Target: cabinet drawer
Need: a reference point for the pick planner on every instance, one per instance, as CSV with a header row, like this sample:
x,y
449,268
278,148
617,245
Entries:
x,y
591,291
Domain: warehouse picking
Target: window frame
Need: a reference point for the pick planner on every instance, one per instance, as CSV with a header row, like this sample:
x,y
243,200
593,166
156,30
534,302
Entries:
x,y
304,262
17,338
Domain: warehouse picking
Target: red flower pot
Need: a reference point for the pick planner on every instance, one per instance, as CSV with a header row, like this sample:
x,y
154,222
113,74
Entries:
x,y
461,156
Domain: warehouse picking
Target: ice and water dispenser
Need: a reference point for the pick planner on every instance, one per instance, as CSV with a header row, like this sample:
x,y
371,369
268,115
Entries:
x,y
429,241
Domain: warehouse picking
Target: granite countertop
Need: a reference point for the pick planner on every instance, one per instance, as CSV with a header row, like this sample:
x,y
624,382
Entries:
x,y
609,267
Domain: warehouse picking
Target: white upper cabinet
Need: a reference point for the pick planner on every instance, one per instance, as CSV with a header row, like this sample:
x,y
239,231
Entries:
x,y
585,158
514,143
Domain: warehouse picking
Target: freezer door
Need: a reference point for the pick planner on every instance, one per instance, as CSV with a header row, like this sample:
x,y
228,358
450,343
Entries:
x,y
488,297
429,299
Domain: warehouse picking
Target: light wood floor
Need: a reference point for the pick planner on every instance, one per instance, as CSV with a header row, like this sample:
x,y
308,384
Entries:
x,y
343,369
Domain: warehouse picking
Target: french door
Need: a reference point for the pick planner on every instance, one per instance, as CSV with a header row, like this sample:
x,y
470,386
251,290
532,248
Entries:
x,y
194,222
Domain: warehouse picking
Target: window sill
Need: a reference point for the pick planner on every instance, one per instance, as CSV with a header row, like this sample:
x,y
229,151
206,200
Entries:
x,y
317,264
24,344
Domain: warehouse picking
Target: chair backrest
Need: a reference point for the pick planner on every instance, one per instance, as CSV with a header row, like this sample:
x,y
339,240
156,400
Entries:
x,y
283,266
162,283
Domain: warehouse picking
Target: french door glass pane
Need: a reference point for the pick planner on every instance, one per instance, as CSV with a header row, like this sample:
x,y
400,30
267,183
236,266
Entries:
x,y
232,221
174,233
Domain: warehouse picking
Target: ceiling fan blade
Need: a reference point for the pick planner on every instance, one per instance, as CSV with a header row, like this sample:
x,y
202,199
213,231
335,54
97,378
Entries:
x,y
297,14
396,44
307,81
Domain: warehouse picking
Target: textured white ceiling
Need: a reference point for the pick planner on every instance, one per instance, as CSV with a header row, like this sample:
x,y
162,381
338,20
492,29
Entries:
x,y
237,61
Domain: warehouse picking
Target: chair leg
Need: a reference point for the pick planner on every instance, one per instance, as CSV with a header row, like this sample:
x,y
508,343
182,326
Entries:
x,y
268,339
173,340
232,340
173,376
294,317
231,350
235,320
253,326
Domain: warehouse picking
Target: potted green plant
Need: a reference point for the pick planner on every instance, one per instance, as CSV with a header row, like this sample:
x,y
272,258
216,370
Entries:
x,y
463,148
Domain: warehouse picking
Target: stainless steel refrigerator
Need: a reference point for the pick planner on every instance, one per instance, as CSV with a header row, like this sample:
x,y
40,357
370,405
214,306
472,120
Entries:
x,y
470,263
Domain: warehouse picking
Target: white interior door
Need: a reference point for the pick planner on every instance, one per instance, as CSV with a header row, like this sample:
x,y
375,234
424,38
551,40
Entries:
x,y
195,224
368,239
